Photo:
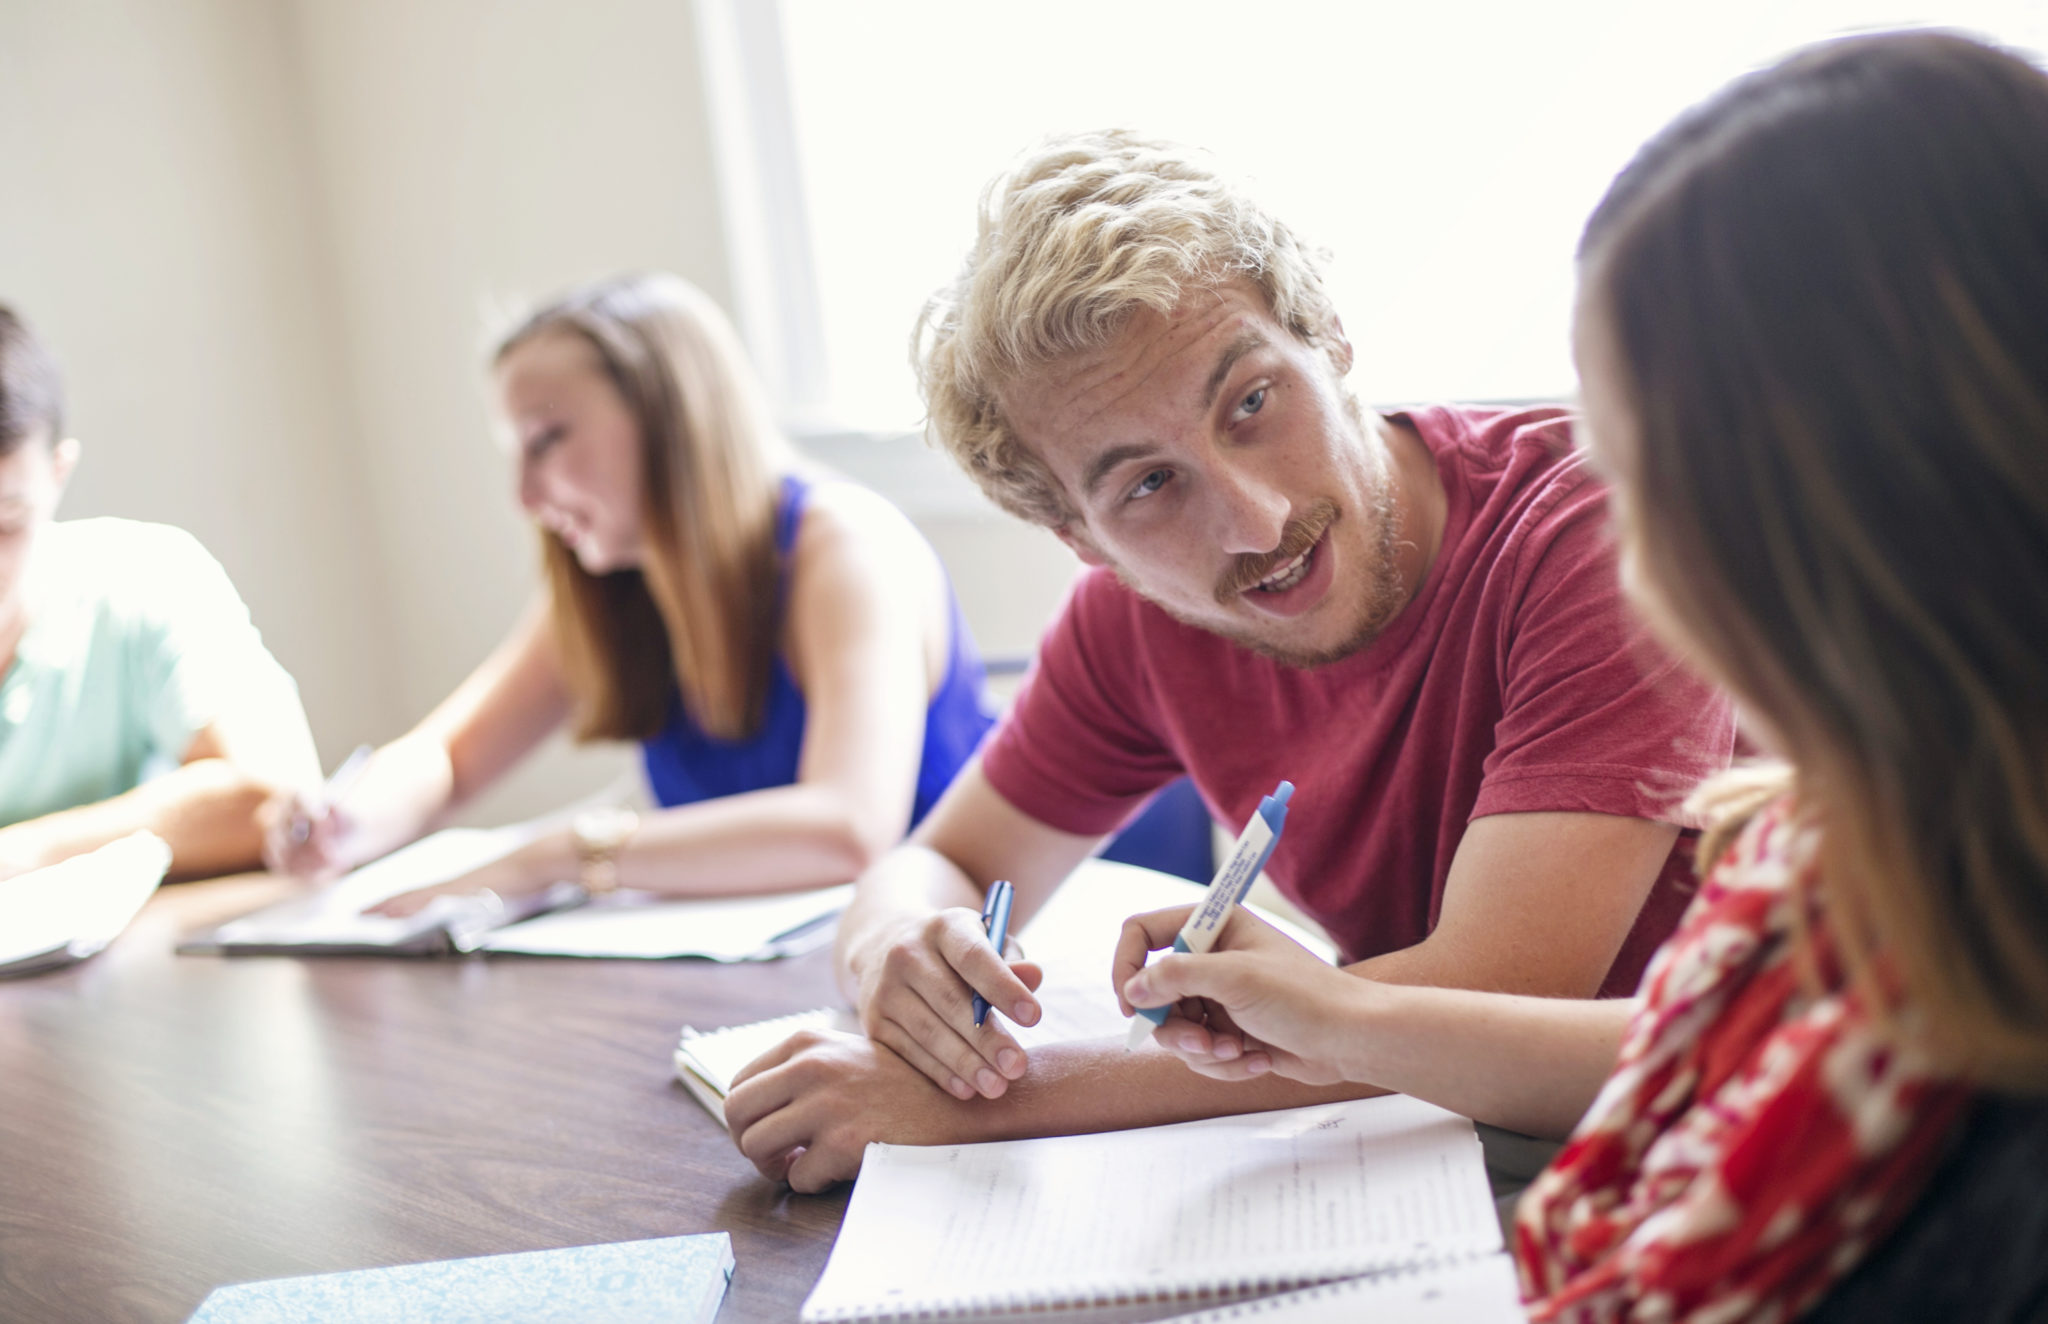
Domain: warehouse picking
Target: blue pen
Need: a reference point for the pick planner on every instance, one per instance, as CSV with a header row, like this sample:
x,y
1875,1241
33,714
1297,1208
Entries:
x,y
995,922
1240,869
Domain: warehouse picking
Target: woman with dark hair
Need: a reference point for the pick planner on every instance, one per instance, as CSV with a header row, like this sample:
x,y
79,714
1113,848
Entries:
x,y
1812,337
786,649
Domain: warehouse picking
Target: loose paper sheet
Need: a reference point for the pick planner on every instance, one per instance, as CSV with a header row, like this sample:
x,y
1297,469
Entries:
x,y
649,927
65,913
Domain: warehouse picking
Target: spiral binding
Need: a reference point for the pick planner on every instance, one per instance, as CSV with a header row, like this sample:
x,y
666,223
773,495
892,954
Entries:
x,y
1255,1296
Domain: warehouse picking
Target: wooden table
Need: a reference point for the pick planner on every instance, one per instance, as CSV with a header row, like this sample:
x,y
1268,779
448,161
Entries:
x,y
171,1123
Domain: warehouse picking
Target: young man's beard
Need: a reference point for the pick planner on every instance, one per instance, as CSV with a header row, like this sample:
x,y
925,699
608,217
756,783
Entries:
x,y
1378,581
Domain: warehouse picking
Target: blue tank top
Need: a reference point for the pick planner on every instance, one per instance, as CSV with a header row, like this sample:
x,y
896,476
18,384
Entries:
x,y
685,765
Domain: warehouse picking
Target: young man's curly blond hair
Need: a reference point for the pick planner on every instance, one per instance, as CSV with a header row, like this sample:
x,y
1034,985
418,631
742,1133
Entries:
x,y
1078,236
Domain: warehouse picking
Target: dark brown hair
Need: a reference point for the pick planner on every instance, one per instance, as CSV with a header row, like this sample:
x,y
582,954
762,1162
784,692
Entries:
x,y
1827,293
31,390
702,611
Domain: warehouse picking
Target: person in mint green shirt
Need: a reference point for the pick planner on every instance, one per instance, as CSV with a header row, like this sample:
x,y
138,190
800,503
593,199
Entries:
x,y
134,691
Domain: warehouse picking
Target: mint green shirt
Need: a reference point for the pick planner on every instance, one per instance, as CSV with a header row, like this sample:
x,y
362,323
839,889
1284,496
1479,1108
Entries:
x,y
135,641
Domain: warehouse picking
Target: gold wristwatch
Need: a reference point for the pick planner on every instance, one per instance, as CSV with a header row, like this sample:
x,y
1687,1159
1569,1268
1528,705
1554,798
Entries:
x,y
600,835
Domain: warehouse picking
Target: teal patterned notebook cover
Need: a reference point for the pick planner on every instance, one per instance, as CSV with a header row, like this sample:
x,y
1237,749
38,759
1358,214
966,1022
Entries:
x,y
667,1279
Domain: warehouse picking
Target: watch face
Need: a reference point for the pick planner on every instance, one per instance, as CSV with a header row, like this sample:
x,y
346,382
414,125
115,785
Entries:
x,y
605,829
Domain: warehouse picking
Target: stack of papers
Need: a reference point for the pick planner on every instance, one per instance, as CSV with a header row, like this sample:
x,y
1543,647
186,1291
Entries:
x,y
65,913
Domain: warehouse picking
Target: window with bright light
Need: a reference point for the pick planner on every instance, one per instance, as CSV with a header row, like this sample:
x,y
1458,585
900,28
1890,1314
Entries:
x,y
1445,155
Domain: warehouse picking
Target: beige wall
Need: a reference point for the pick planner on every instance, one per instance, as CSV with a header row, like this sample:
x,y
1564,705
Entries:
x,y
474,153
265,236
160,224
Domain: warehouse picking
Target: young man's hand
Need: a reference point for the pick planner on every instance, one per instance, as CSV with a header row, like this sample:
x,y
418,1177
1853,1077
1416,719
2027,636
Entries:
x,y
804,1111
916,994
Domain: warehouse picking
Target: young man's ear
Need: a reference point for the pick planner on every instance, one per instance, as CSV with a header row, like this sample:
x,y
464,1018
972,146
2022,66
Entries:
x,y
1077,543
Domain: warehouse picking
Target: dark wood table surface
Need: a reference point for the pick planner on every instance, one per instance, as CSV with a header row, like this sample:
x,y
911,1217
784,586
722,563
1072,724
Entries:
x,y
171,1123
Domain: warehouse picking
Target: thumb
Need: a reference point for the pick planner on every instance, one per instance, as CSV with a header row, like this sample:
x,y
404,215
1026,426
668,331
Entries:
x,y
1166,981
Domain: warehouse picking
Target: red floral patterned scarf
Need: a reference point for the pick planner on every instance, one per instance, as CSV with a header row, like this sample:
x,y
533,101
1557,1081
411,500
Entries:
x,y
1756,1137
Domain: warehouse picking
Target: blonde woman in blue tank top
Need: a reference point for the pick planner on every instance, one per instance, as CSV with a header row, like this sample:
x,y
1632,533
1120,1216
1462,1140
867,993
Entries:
x,y
786,649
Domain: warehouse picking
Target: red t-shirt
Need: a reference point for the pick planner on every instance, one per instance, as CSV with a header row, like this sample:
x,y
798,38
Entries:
x,y
1517,680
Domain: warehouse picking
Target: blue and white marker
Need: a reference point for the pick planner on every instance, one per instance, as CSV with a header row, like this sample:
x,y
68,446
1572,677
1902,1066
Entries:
x,y
1240,870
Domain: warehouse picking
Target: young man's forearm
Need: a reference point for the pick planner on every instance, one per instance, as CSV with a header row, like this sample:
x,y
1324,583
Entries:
x,y
1082,1087
204,810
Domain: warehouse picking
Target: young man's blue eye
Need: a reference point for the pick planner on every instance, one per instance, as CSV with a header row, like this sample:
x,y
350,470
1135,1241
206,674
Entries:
x,y
1253,403
1150,483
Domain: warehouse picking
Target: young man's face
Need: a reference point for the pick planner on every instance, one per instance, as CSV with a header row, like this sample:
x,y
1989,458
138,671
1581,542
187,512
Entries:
x,y
32,478
1218,467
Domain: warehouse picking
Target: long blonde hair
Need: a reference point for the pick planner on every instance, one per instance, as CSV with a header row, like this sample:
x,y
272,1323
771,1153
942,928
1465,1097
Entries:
x,y
1828,292
701,612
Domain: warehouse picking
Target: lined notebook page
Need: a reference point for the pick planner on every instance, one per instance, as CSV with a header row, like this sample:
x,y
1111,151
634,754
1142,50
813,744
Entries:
x,y
1226,1205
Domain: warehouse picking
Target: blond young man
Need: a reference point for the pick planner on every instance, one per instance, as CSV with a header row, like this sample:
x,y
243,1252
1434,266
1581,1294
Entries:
x,y
1414,617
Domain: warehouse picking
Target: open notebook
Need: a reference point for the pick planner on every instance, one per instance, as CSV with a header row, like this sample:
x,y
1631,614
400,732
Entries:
x,y
626,924
1145,1224
1073,937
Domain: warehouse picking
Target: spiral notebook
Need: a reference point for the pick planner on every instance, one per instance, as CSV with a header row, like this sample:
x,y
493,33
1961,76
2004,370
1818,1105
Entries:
x,y
1146,1224
706,1063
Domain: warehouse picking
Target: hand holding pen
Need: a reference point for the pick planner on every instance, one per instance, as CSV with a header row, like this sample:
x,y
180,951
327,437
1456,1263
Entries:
x,y
301,835
927,984
1240,869
1255,1002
